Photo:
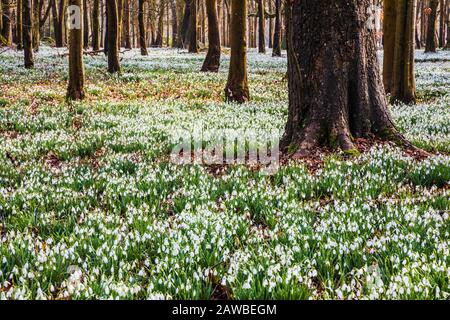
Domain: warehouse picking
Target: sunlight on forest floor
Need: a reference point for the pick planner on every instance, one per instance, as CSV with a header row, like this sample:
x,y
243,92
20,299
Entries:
x,y
90,208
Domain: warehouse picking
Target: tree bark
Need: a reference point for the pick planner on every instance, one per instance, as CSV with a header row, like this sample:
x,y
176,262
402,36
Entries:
x,y
126,23
193,38
212,60
58,12
75,89
447,46
27,34
96,25
19,29
85,24
142,42
112,36
173,10
6,30
277,34
185,25
398,65
335,87
37,4
431,43
236,89
160,29
261,27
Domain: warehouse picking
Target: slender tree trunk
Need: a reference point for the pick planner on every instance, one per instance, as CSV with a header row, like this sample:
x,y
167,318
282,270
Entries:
x,y
19,29
173,10
36,18
236,89
261,27
112,36
398,66
335,91
27,34
443,12
142,42
85,24
126,23
75,89
447,46
212,60
59,22
277,35
160,30
185,24
96,25
431,43
193,38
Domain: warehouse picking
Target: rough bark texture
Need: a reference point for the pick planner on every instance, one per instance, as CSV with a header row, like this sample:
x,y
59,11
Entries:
x,y
193,38
112,36
96,25
6,30
36,17
431,41
335,87
142,41
277,34
173,10
212,60
261,27
75,89
27,34
398,65
237,85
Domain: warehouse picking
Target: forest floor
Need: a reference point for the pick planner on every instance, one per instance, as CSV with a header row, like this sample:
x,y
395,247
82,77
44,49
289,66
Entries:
x,y
91,206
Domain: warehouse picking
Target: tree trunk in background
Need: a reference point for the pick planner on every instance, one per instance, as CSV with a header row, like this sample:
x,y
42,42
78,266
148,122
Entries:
x,y
36,17
6,30
112,36
398,66
27,34
126,24
335,91
85,24
59,21
277,34
160,29
75,90
142,42
185,25
173,10
212,60
261,27
96,25
236,89
443,12
447,46
193,39
19,24
431,43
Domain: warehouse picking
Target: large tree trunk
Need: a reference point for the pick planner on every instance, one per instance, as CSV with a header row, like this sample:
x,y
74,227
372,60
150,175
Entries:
x,y
193,38
237,85
431,43
6,30
277,35
27,34
261,27
335,88
96,25
37,5
212,60
19,24
75,90
398,69
142,42
112,36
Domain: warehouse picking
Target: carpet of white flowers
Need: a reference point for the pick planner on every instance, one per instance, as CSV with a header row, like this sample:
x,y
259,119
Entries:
x,y
90,207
